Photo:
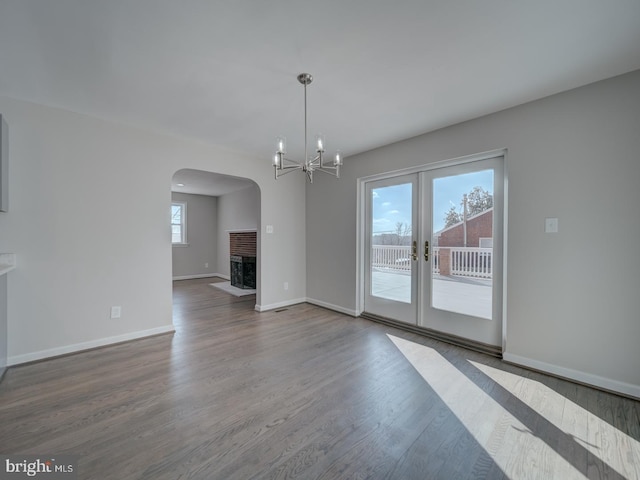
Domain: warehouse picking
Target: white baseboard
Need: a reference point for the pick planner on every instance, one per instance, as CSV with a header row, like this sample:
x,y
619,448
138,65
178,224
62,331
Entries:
x,y
320,303
331,306
576,375
273,306
200,275
78,347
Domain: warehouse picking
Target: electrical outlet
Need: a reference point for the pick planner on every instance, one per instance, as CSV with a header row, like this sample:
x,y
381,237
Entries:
x,y
286,285
206,265
116,312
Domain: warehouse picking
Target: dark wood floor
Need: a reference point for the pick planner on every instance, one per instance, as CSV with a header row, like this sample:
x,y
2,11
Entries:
x,y
312,394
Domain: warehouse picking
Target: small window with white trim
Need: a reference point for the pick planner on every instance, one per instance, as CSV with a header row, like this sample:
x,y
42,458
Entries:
x,y
178,223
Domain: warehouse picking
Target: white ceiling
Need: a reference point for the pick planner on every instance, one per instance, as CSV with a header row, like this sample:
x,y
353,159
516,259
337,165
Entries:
x,y
224,72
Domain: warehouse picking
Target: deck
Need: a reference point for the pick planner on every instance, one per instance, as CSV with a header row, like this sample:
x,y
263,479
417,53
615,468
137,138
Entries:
x,y
469,296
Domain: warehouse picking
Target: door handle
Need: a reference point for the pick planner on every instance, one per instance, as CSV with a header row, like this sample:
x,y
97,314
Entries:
x,y
414,251
426,251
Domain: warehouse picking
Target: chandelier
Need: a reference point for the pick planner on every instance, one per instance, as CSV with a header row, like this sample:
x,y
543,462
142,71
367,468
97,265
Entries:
x,y
283,165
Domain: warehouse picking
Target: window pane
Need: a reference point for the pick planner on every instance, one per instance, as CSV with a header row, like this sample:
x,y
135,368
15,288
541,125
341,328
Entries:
x,y
462,270
176,234
390,242
178,223
176,214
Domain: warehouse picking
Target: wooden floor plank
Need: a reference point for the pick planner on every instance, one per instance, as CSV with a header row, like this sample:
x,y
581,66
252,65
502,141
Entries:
x,y
307,393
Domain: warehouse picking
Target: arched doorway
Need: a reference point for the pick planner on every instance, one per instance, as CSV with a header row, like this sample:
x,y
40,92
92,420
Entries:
x,y
207,209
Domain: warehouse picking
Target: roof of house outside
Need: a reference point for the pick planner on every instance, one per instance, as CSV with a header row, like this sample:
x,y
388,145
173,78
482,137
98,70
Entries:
x,y
439,232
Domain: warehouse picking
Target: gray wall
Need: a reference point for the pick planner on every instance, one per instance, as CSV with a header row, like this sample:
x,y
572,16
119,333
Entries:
x,y
237,211
3,324
199,256
572,297
89,221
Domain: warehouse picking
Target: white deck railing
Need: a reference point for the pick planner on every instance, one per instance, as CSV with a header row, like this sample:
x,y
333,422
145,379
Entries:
x,y
391,257
471,262
464,261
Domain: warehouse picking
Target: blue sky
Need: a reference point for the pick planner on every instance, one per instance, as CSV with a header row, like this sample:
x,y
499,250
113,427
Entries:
x,y
393,204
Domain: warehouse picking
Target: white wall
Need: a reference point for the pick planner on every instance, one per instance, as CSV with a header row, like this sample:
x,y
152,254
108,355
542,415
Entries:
x,y
572,300
88,220
198,257
237,211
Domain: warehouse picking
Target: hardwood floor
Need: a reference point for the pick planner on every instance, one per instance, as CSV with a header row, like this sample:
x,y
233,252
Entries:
x,y
307,393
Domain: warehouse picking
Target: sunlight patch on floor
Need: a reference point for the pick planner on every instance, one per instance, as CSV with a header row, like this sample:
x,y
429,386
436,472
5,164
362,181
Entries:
x,y
499,432
600,438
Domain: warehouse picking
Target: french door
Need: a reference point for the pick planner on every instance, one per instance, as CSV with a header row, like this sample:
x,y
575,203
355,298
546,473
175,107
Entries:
x,y
391,251
433,249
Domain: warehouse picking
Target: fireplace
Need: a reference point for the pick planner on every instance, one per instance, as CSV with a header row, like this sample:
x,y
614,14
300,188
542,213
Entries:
x,y
242,250
243,271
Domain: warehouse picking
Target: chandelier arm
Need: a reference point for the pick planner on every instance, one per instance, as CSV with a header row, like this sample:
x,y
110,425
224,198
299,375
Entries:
x,y
328,172
292,167
297,163
315,162
280,173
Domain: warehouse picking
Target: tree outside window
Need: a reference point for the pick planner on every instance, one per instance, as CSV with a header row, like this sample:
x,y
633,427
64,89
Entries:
x,y
478,200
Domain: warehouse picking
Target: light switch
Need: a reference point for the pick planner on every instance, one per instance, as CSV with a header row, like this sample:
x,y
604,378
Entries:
x,y
269,228
550,225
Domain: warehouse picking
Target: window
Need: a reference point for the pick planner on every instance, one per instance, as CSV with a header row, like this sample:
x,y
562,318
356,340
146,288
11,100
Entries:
x,y
178,223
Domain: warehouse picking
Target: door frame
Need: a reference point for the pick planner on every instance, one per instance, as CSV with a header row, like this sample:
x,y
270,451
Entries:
x,y
361,222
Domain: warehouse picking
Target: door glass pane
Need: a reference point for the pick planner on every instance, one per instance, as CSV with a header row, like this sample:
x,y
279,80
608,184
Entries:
x,y
391,242
462,244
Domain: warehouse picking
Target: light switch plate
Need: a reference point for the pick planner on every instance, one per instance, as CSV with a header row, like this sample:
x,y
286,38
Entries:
x,y
551,225
269,228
